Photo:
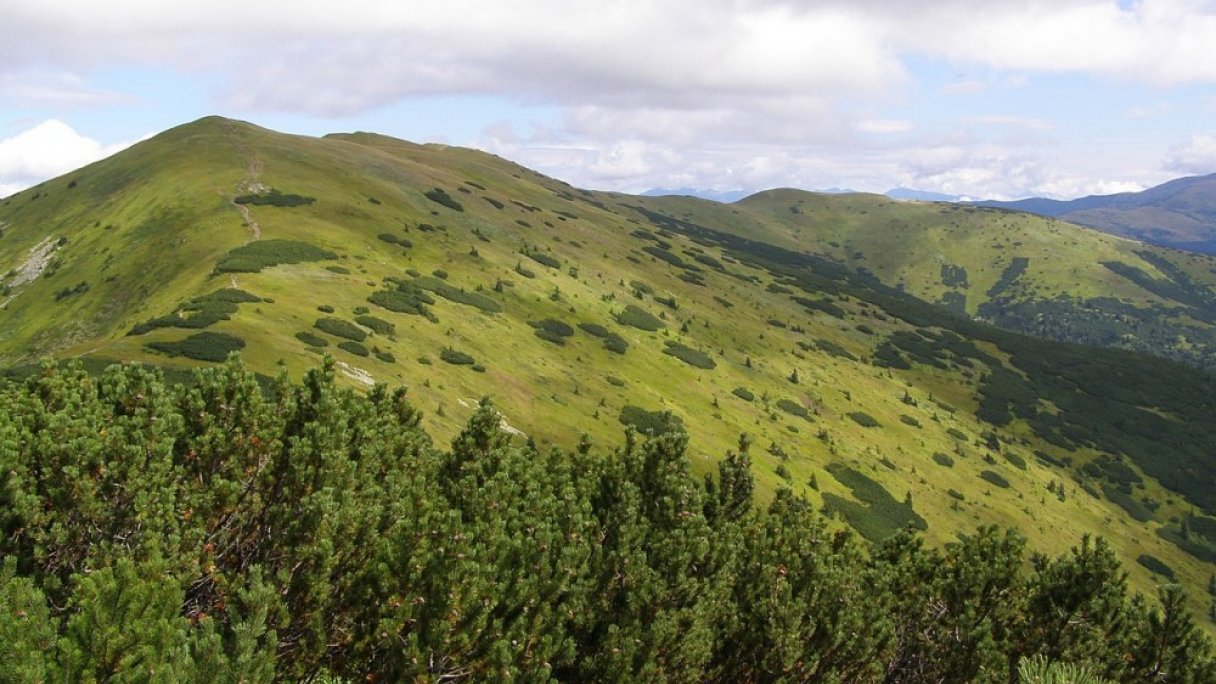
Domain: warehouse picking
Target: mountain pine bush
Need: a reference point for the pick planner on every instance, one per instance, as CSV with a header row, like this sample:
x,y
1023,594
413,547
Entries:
x,y
220,530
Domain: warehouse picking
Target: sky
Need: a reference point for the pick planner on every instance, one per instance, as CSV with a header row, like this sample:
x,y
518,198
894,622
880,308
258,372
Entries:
x,y
1002,100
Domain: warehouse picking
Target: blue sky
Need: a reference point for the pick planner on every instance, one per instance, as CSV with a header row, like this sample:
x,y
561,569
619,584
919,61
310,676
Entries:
x,y
998,100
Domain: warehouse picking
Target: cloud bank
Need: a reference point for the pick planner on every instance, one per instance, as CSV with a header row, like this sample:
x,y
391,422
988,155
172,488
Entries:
x,y
49,149
747,89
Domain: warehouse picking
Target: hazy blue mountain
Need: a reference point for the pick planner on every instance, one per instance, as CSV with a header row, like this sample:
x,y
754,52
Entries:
x,y
724,196
921,195
1180,213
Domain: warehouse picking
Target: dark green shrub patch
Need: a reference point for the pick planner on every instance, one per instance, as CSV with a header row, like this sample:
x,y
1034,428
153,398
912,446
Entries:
x,y
821,304
1014,459
554,327
340,328
449,292
404,298
639,318
943,459
1009,277
1156,566
353,347
957,434
612,341
260,254
385,356
325,308
1111,469
834,349
376,325
692,278
744,394
649,422
794,408
693,357
203,346
954,276
995,478
456,358
1123,499
669,301
909,420
863,419
1048,459
390,238
66,292
274,198
552,330
548,336
665,256
879,515
887,356
311,339
542,258
615,381
440,196
200,312
616,344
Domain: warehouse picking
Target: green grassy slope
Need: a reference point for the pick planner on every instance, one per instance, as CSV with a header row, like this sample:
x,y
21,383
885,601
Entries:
x,y
1020,271
1179,213
859,397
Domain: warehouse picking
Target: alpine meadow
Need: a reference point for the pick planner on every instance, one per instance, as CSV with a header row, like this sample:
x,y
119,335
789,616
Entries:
x,y
350,408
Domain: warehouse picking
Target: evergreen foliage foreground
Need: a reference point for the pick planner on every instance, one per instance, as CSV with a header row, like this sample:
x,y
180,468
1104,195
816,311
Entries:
x,y
219,532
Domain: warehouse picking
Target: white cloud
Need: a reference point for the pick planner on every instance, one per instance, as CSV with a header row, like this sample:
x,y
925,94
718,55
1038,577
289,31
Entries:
x,y
718,92
1195,157
1005,120
1155,41
883,126
964,88
49,149
54,88
1148,111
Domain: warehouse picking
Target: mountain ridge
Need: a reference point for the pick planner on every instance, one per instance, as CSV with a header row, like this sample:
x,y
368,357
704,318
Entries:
x,y
460,274
1179,213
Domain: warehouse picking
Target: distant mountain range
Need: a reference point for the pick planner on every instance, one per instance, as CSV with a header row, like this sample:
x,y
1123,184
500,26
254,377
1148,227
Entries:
x,y
921,195
728,196
1180,213
724,196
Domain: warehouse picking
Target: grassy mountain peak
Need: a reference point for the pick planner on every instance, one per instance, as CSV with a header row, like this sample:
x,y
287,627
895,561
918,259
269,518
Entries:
x,y
848,335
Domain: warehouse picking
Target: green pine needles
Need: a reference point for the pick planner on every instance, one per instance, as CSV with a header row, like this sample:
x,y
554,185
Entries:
x,y
220,530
